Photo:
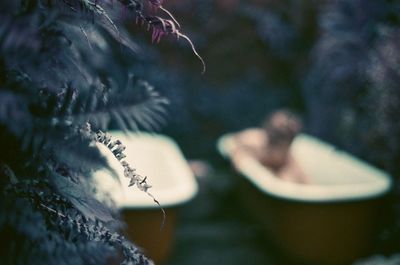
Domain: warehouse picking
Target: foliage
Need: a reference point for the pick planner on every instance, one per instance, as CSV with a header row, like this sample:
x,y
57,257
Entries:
x,y
61,80
353,94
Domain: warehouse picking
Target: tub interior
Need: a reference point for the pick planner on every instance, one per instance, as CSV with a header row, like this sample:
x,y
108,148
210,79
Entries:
x,y
159,158
334,174
326,165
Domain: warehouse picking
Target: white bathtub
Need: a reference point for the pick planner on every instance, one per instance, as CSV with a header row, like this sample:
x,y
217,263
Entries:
x,y
331,220
173,184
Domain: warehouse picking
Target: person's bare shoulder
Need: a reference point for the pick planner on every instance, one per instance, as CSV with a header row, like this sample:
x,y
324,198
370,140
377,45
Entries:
x,y
246,144
253,137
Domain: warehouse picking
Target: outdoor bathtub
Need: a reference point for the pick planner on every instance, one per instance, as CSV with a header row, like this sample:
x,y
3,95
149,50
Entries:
x,y
173,184
329,222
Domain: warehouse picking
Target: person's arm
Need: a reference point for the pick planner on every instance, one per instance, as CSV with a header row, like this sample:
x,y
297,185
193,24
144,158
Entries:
x,y
247,143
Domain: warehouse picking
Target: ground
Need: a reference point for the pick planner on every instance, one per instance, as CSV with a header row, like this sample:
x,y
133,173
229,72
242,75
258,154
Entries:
x,y
214,229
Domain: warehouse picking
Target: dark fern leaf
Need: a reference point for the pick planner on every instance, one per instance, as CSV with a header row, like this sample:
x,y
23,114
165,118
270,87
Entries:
x,y
59,73
96,231
134,107
80,154
19,36
12,108
104,14
148,113
29,223
137,106
77,194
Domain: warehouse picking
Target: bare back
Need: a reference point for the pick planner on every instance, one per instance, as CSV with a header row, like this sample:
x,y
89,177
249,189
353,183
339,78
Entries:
x,y
254,143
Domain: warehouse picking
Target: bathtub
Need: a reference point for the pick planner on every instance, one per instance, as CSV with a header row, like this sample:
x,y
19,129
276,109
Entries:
x,y
173,184
331,221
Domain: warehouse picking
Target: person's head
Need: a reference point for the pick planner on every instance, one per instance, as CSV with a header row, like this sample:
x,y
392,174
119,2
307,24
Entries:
x,y
282,126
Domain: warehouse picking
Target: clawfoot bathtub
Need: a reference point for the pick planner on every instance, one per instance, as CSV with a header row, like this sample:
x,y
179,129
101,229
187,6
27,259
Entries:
x,y
330,221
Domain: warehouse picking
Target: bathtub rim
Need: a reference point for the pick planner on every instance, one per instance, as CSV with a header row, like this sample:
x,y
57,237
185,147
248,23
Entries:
x,y
265,181
182,193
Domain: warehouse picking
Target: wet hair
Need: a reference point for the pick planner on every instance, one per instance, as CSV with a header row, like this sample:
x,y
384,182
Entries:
x,y
282,126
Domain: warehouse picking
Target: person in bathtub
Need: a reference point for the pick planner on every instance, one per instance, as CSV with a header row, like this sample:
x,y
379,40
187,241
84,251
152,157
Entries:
x,y
270,145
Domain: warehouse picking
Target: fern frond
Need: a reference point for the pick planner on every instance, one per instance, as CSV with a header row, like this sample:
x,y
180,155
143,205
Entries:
x,y
136,106
96,231
84,7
